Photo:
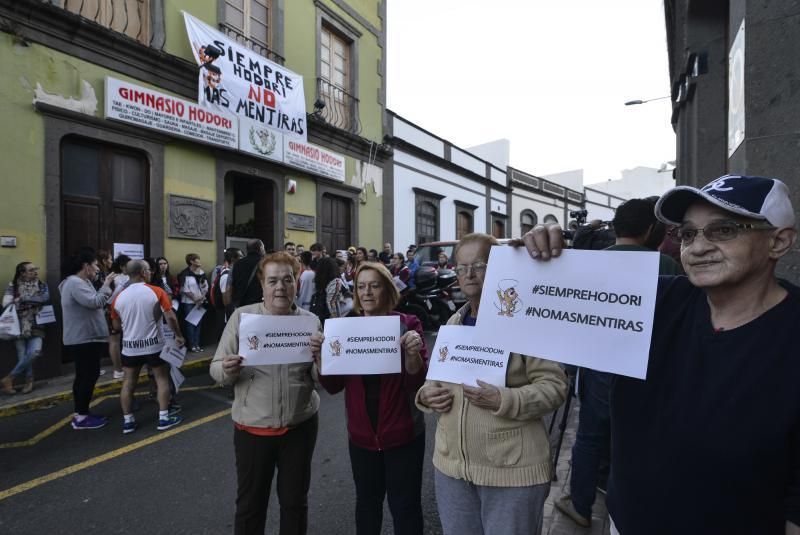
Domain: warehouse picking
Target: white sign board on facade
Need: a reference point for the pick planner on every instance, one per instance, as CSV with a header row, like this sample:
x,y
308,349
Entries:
x,y
554,311
246,84
736,106
260,141
133,250
134,104
313,159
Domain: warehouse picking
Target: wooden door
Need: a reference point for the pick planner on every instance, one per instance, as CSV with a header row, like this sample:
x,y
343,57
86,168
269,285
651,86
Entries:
x,y
104,196
336,223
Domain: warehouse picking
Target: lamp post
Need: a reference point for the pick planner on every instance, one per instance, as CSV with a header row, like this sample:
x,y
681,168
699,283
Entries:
x,y
638,101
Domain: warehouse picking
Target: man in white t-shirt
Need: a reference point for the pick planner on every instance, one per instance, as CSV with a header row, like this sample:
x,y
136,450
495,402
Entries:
x,y
137,310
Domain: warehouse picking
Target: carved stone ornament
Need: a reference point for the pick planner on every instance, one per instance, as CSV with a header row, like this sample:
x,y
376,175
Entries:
x,y
190,218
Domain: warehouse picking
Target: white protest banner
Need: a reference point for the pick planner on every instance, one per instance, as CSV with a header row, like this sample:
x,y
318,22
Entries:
x,y
173,354
133,250
276,339
46,315
177,377
463,354
246,84
588,308
361,346
196,315
134,104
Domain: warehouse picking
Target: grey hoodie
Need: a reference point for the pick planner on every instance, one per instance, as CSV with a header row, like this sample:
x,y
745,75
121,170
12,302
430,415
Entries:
x,y
82,308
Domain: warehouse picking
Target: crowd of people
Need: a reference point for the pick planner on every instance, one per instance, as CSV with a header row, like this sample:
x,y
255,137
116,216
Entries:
x,y
719,403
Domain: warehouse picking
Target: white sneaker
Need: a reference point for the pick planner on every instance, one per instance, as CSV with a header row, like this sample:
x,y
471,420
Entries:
x,y
118,374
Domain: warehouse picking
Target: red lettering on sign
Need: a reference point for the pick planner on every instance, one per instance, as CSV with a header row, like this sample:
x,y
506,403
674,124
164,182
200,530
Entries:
x,y
262,96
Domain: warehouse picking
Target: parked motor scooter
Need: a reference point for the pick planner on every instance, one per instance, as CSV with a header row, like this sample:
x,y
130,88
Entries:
x,y
433,291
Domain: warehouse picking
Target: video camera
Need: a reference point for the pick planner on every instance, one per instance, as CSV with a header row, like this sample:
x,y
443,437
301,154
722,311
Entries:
x,y
579,216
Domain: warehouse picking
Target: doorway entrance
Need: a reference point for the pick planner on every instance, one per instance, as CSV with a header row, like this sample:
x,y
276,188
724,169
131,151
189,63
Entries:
x,y
336,222
249,209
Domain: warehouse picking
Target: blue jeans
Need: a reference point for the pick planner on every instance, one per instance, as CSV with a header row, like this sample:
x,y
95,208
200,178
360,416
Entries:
x,y
192,331
27,351
593,441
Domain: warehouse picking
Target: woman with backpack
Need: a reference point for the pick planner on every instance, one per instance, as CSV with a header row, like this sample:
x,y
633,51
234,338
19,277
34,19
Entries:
x,y
332,298
29,295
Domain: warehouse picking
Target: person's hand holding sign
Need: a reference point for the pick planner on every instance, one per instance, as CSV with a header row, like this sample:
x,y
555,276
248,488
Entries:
x,y
437,398
411,342
485,396
542,241
232,365
316,348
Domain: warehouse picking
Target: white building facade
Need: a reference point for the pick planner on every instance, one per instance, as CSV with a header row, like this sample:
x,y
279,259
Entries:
x,y
536,200
435,191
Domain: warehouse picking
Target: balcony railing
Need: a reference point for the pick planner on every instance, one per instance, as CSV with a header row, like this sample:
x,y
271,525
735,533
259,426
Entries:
x,y
255,46
129,17
341,108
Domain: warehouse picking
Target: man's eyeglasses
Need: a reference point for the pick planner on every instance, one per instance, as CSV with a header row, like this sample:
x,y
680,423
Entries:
x,y
716,231
477,267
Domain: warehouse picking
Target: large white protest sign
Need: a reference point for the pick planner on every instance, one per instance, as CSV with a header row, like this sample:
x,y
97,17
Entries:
x,y
589,308
463,354
246,84
267,339
361,346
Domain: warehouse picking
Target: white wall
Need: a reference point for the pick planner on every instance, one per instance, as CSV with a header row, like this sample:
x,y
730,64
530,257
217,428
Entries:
x,y
495,152
569,179
417,137
467,161
452,186
524,200
637,183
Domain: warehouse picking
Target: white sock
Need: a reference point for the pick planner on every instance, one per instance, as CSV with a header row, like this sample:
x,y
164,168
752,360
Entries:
x,y
128,418
163,415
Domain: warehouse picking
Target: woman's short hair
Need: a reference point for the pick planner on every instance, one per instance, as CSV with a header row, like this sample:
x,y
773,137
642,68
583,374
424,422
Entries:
x,y
119,263
400,255
484,239
278,257
191,257
392,294
76,261
327,270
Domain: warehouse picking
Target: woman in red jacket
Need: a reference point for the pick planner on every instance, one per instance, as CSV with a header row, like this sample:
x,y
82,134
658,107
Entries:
x,y
386,430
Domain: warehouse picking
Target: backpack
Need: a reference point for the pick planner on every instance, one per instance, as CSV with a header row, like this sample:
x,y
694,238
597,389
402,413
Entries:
x,y
319,305
215,295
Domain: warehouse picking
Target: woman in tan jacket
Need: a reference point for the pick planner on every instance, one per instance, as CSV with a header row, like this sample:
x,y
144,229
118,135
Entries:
x,y
274,412
492,453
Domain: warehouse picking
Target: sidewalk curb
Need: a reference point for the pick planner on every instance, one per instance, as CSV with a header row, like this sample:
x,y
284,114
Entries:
x,y
99,389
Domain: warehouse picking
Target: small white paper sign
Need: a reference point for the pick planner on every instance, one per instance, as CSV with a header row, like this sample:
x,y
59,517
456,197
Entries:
x,y
177,377
267,339
173,354
361,346
175,305
400,285
133,250
46,315
168,333
196,315
588,308
463,354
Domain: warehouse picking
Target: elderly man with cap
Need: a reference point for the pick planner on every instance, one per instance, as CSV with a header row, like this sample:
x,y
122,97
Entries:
x,y
709,443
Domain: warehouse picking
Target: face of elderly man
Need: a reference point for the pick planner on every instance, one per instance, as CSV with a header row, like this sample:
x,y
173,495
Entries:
x,y
470,279
721,264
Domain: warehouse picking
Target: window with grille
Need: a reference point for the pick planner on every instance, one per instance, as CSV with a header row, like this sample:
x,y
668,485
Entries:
x,y
334,72
527,220
250,21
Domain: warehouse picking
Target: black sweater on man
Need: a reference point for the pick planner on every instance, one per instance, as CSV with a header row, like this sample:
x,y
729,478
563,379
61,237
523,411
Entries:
x,y
710,442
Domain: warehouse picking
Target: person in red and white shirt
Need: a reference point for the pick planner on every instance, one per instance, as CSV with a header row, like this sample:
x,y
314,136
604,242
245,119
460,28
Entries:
x,y
138,310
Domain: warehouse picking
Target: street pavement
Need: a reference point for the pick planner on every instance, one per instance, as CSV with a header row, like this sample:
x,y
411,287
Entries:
x,y
54,479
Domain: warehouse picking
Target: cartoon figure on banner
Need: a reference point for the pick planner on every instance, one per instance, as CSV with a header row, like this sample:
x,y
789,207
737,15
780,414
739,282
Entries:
x,y
252,342
509,301
442,353
336,348
213,76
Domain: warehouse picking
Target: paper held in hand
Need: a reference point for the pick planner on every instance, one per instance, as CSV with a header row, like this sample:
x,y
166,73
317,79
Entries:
x,y
588,308
196,315
173,354
463,354
267,339
361,346
46,315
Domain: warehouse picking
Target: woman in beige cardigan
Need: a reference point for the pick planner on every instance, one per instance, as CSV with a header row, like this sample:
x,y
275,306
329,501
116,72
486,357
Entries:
x,y
492,453
274,412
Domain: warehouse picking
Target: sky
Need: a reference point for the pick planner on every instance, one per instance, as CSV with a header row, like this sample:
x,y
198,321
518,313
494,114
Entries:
x,y
551,76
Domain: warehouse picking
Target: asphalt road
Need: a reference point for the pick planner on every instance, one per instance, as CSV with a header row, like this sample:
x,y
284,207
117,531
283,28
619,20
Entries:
x,y
57,480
